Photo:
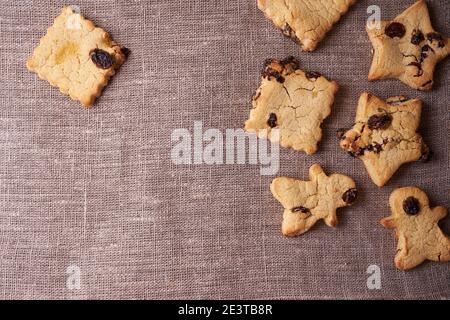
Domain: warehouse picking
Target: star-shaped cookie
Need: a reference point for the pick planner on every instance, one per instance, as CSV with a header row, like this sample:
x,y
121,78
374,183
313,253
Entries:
x,y
384,135
76,57
306,202
290,105
305,21
408,48
417,230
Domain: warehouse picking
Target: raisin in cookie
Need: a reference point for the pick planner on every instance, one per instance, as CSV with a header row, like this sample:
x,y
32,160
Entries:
x,y
305,21
76,57
306,202
384,135
292,102
417,230
408,48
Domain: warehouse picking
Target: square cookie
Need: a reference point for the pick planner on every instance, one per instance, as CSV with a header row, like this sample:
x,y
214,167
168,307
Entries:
x,y
305,21
290,105
77,57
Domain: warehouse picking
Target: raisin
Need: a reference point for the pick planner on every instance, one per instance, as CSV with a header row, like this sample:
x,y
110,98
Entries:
x,y
272,122
376,147
341,133
301,209
289,33
125,51
292,61
312,75
434,36
411,206
426,48
417,37
350,196
271,73
379,121
101,58
426,154
395,29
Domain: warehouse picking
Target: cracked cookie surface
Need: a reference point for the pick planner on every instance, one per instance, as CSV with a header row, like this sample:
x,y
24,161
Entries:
x,y
306,202
290,105
417,231
408,48
384,135
76,57
305,21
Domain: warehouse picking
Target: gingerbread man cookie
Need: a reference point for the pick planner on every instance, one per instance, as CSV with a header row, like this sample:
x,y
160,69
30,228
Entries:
x,y
408,48
291,103
305,21
306,202
385,135
417,231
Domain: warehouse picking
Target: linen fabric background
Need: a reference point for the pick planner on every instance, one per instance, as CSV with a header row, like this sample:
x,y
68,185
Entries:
x,y
95,190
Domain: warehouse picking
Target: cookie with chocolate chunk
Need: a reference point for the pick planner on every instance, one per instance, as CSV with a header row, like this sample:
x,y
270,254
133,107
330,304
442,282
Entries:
x,y
290,105
307,202
305,21
408,48
385,136
77,57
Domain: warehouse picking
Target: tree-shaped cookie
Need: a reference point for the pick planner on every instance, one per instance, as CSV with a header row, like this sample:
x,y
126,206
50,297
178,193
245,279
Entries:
x,y
305,21
306,202
292,102
385,135
417,230
408,48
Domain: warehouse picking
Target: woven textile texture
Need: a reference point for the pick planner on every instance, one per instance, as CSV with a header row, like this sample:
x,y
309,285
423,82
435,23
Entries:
x,y
93,193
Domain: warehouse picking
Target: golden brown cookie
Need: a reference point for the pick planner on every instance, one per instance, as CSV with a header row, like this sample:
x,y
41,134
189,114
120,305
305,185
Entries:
x,y
417,231
293,102
76,57
385,135
306,202
305,21
408,48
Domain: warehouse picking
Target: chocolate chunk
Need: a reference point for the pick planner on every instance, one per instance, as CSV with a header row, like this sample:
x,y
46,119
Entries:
x,y
395,29
312,75
301,209
417,37
379,121
350,196
411,206
101,58
272,122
